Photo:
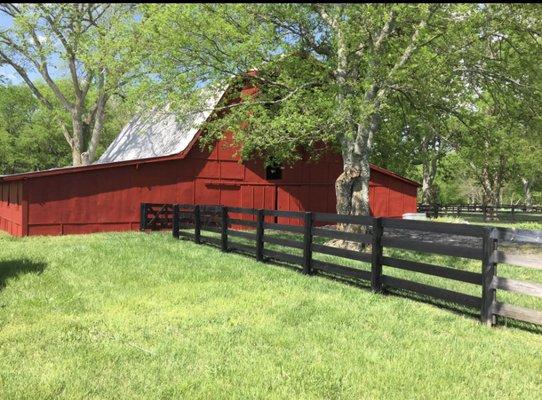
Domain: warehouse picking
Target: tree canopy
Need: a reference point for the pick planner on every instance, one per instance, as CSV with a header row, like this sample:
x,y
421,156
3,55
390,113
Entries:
x,y
448,94
402,84
95,44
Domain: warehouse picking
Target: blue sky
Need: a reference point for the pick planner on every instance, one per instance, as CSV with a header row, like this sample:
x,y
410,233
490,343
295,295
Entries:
x,y
9,73
6,72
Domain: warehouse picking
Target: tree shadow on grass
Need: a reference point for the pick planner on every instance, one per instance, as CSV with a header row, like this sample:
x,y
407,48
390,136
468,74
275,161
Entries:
x,y
13,268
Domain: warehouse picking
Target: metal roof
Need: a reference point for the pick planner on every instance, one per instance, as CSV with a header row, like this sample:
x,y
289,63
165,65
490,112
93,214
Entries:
x,y
160,132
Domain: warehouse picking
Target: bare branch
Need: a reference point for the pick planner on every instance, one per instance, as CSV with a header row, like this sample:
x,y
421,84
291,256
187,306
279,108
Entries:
x,y
387,29
69,50
410,49
262,102
22,73
330,20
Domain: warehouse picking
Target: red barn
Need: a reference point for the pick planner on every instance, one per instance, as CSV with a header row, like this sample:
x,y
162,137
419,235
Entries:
x,y
156,159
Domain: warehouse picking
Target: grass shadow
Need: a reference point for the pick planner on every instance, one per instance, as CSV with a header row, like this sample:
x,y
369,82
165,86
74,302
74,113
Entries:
x,y
13,268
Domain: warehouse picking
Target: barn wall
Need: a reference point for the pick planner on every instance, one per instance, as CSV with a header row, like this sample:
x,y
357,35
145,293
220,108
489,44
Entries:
x,y
108,199
391,197
11,208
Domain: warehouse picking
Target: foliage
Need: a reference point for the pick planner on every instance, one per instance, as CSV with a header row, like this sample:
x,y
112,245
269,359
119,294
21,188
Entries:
x,y
31,140
94,44
414,85
291,47
447,94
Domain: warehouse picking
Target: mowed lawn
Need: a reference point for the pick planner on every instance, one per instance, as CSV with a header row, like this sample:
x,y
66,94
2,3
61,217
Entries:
x,y
142,316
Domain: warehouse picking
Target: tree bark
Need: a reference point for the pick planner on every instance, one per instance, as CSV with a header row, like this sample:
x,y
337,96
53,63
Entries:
x,y
97,124
361,123
431,152
429,189
352,185
527,195
428,180
491,193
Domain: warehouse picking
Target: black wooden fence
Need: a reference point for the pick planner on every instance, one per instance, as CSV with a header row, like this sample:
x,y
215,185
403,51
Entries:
x,y
259,227
512,212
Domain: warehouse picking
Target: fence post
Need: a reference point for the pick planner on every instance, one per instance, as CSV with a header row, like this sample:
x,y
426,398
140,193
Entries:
x,y
259,235
197,225
224,237
175,221
307,243
143,217
489,245
376,264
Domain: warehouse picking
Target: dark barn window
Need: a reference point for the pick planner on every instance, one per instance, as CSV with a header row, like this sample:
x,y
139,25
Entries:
x,y
273,173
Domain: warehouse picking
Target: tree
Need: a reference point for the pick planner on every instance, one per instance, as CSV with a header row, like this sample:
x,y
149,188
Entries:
x,y
529,167
485,108
502,99
96,43
326,73
31,140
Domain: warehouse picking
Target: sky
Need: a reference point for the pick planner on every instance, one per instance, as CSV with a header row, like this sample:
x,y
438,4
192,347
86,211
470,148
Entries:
x,y
7,72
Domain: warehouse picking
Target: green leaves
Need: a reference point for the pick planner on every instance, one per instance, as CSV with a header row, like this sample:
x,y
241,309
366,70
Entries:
x,y
30,137
466,74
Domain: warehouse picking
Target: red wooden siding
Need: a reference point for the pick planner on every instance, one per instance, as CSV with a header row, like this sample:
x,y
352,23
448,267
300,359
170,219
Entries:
x,y
107,198
11,208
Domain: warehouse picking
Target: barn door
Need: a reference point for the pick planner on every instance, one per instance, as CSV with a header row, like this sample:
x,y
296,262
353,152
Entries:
x,y
259,196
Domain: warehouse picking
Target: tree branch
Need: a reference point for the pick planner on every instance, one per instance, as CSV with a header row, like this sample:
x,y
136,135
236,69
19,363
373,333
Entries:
x,y
387,29
22,73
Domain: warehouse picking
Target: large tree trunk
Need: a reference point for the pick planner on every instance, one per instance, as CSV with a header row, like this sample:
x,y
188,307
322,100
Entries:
x,y
428,179
93,125
77,159
97,120
352,185
431,153
490,200
76,145
90,155
352,192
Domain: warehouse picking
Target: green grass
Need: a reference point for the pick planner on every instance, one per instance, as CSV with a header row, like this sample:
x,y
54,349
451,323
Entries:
x,y
144,316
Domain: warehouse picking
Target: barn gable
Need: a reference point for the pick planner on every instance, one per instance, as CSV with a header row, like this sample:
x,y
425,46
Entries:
x,y
160,132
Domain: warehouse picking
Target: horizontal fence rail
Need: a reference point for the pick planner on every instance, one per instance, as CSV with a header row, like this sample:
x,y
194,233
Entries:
x,y
481,208
509,211
362,254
